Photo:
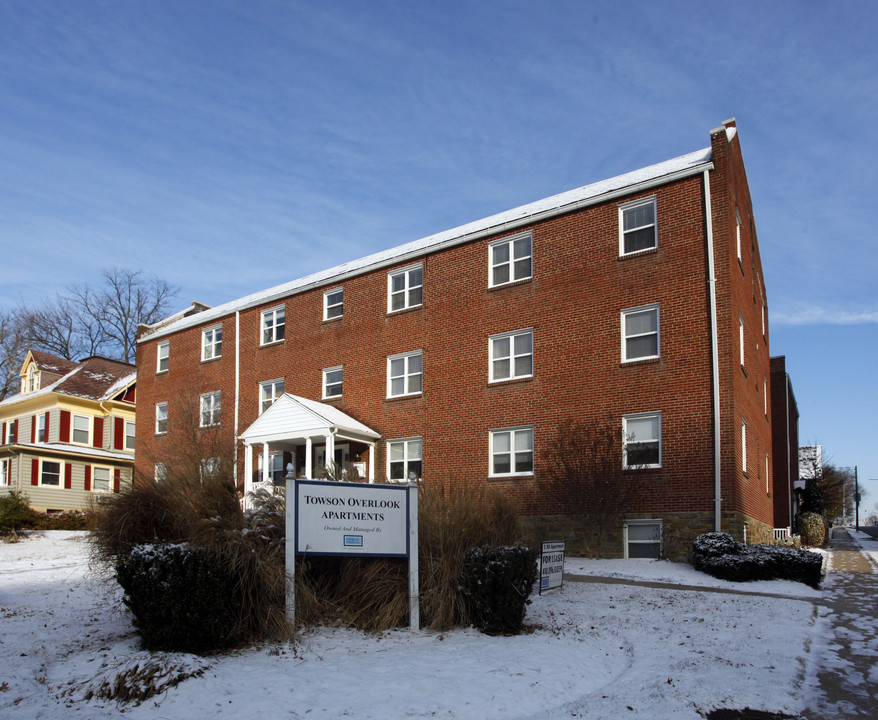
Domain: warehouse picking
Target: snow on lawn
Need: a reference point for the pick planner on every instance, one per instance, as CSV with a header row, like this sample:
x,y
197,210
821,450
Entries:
x,y
605,651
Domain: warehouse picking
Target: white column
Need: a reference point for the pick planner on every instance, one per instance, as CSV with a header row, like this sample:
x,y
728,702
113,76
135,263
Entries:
x,y
248,469
265,477
308,455
330,449
372,447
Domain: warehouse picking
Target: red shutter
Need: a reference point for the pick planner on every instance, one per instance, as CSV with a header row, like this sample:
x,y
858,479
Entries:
x,y
33,429
68,476
117,480
87,478
64,435
98,439
34,472
118,433
47,427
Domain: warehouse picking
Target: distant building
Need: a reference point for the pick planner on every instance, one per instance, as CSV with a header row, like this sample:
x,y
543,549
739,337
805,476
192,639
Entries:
x,y
785,445
810,462
640,298
68,437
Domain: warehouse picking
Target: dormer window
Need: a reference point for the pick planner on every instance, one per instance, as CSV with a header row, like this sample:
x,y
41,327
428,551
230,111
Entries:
x,y
32,380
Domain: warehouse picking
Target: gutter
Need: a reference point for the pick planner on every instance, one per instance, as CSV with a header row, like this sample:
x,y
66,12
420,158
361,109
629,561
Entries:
x,y
714,357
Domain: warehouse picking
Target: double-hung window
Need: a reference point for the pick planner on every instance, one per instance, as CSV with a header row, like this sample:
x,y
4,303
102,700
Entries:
x,y
41,428
743,445
511,259
5,466
100,479
511,355
210,409
212,343
273,325
741,353
161,418
163,351
50,473
512,451
640,333
405,374
333,304
161,472
637,226
642,440
405,288
404,459
210,467
269,391
129,435
332,381
81,433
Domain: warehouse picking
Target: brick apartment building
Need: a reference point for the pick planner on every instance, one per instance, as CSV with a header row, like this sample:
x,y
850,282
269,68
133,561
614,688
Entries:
x,y
640,298
785,444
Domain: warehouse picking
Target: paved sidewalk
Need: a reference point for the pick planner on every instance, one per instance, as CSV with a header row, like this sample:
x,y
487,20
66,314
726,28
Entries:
x,y
848,675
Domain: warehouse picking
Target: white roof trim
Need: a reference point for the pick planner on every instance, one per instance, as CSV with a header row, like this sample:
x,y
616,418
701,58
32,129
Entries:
x,y
603,191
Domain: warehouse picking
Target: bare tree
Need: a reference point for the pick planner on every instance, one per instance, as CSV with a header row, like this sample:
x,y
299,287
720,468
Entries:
x,y
585,472
97,321
12,349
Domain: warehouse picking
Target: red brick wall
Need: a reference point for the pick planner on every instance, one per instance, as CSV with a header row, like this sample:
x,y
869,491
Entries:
x,y
573,304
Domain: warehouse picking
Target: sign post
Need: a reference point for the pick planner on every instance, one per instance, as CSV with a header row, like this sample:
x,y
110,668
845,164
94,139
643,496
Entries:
x,y
352,519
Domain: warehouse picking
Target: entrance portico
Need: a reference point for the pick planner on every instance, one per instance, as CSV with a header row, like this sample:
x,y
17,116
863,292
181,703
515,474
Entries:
x,y
293,424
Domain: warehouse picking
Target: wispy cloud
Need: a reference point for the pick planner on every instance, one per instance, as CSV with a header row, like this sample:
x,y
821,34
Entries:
x,y
824,315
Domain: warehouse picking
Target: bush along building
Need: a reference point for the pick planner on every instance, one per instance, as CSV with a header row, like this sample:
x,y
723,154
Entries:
x,y
624,319
67,439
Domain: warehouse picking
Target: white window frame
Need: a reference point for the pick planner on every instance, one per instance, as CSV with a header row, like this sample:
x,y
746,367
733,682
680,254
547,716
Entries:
x,y
161,418
208,467
273,457
741,339
409,456
4,471
40,434
60,465
641,523
277,331
511,357
738,236
767,474
634,205
130,435
212,343
513,433
333,308
327,385
512,264
407,374
269,393
211,407
408,288
74,430
94,478
654,308
743,446
627,438
765,396
163,356
160,473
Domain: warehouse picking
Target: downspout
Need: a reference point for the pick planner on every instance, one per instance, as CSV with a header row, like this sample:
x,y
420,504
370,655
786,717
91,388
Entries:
x,y
714,357
237,389
789,479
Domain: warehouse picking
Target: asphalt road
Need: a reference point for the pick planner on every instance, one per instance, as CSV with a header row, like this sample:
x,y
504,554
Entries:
x,y
870,530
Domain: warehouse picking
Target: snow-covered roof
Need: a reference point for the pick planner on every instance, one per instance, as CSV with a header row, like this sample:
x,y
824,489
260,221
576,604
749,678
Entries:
x,y
69,449
663,172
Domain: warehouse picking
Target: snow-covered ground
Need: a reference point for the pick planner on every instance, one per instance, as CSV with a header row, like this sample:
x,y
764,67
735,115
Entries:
x,y
597,650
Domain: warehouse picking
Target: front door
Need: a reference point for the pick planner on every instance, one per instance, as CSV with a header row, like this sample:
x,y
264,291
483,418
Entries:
x,y
342,458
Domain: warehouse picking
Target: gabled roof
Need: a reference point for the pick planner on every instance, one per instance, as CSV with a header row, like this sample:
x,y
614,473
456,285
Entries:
x,y
95,378
292,417
603,191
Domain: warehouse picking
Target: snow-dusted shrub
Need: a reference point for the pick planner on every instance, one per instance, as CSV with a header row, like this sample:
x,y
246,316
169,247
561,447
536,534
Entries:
x,y
813,529
720,555
15,512
497,582
182,597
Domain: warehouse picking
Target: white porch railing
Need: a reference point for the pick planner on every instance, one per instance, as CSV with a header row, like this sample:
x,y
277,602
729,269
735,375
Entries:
x,y
781,534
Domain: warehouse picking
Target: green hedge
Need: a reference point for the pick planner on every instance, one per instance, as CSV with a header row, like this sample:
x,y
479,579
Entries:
x,y
497,582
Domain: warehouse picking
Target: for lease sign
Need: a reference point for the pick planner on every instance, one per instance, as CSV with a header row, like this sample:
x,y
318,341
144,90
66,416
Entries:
x,y
336,518
552,565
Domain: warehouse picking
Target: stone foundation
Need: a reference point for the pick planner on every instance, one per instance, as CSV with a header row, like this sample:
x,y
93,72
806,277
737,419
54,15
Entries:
x,y
679,530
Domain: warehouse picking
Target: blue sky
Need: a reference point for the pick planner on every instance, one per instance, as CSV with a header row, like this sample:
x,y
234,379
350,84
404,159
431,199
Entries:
x,y
231,146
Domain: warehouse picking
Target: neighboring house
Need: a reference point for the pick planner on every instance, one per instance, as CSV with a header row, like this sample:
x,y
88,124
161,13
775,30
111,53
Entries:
x,y
640,298
68,437
785,445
